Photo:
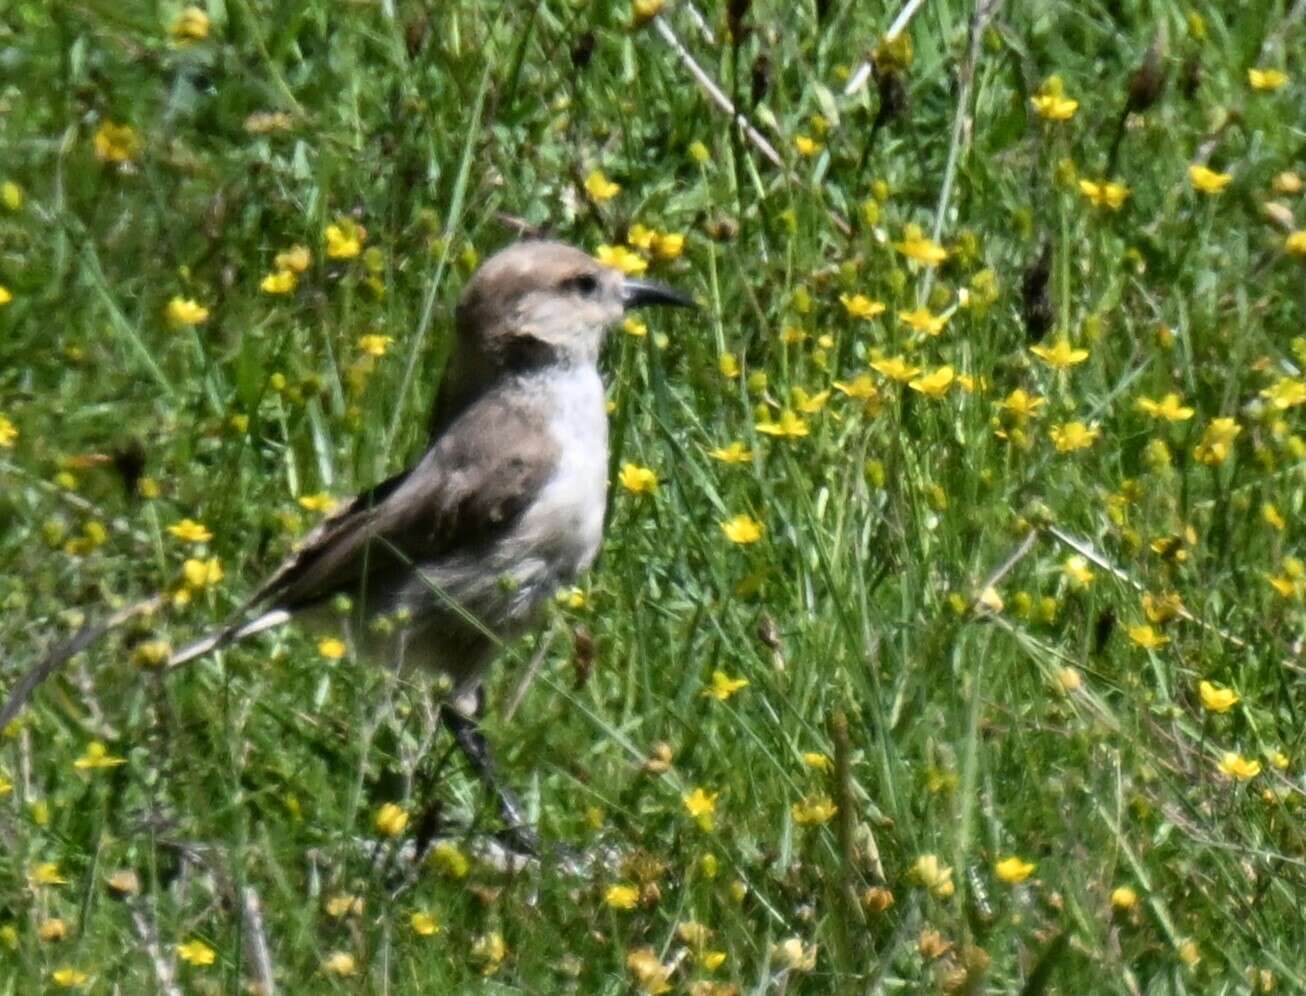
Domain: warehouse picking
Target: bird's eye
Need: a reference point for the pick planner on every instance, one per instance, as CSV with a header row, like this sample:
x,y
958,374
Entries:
x,y
582,283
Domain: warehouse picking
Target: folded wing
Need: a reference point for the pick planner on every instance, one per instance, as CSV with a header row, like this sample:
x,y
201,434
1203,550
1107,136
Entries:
x,y
479,475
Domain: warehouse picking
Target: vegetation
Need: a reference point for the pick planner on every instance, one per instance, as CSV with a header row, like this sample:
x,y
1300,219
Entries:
x,y
948,631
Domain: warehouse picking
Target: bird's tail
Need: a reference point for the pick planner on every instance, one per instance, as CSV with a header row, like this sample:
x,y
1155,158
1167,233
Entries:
x,y
229,634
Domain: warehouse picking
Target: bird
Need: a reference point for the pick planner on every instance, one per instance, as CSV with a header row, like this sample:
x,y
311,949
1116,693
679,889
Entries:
x,y
458,553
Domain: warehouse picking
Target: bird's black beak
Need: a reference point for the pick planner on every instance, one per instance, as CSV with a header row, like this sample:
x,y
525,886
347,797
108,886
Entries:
x,y
638,293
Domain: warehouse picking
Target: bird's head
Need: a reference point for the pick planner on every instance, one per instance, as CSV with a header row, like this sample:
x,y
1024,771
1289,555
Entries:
x,y
548,299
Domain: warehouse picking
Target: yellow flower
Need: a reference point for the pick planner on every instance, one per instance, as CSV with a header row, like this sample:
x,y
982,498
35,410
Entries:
x,y
6,295
638,480
423,924
344,904
699,153
191,25
814,809
793,954
634,327
1107,194
640,237
182,312
196,952
1073,436
1012,870
599,187
1273,517
296,259
621,258
46,873
807,146
1168,408
723,686
1123,898
97,756
190,531
1076,569
320,502
6,786
390,820
734,453
701,806
1296,243
789,426
1216,698
1285,393
1237,767
331,648
69,977
915,245
1069,680
923,321
1207,181
1217,441
11,195
861,306
202,573
124,881
339,963
643,11
990,599
622,897
1060,355
668,246
651,976
711,960
52,930
374,344
861,388
1267,79
931,873
809,404
345,239
1020,405
728,364
1162,609
934,384
490,950
280,282
1051,103
1286,182
1286,585
817,760
743,529
895,368
573,598
1146,637
116,143
449,860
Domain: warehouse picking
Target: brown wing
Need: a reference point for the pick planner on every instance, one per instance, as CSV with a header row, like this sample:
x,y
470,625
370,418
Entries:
x,y
475,480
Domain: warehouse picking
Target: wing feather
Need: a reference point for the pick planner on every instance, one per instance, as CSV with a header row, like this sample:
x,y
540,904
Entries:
x,y
478,476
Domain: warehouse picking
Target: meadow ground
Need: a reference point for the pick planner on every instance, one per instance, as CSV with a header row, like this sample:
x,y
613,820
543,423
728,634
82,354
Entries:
x,y
948,631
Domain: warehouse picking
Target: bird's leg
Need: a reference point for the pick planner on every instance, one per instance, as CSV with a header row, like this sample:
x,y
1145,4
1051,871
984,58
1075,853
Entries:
x,y
467,734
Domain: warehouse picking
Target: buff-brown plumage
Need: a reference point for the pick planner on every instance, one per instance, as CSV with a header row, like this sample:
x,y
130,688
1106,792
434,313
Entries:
x,y
507,502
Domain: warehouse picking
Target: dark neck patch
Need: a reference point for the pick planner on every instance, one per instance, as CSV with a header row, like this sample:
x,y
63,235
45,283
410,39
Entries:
x,y
521,354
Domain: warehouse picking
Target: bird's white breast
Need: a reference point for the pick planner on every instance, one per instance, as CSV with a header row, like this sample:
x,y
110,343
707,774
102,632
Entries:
x,y
564,524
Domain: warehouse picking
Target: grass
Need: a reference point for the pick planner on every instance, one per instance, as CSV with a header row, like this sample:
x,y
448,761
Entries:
x,y
1038,721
